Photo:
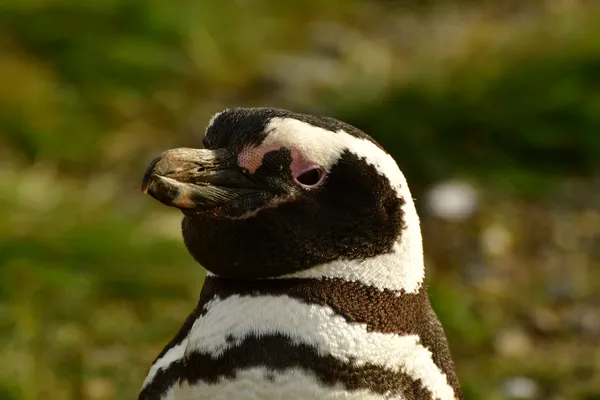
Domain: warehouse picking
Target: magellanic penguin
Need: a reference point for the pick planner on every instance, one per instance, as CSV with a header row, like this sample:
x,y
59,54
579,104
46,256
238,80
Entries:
x,y
315,284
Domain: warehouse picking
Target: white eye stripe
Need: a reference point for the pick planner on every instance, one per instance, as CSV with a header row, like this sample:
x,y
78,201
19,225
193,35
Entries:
x,y
325,148
400,270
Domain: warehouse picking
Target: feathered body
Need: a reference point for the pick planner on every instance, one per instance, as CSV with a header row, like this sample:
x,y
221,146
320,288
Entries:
x,y
315,287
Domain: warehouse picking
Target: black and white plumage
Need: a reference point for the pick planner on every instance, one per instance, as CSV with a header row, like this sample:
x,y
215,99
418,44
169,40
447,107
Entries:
x,y
315,286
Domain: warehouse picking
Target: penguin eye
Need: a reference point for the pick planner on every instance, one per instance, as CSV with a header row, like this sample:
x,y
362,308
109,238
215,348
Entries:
x,y
312,177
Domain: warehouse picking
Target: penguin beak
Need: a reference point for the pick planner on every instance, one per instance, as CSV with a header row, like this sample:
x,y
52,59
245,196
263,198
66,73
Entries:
x,y
196,179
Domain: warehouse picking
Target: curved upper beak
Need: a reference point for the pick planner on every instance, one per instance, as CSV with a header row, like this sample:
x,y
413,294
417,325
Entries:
x,y
196,179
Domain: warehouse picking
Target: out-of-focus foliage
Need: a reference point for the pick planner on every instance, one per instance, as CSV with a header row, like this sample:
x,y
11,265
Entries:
x,y
95,278
519,109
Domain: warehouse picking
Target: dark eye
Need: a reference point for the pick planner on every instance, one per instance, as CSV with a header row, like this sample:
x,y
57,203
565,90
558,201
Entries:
x,y
311,177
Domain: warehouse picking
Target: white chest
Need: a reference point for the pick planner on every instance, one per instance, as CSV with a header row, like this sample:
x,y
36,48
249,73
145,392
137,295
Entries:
x,y
276,347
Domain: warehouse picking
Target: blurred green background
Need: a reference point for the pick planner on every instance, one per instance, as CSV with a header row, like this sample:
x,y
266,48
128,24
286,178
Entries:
x,y
491,108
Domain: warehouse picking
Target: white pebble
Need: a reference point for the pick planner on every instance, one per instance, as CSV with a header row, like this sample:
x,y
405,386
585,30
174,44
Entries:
x,y
521,387
453,200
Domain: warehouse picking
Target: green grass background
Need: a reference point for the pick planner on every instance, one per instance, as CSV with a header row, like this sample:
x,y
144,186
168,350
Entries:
x,y
504,95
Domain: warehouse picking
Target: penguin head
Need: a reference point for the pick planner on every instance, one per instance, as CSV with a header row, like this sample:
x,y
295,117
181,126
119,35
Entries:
x,y
275,193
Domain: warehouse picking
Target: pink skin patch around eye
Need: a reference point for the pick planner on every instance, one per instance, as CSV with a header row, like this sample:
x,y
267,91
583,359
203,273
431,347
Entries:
x,y
251,159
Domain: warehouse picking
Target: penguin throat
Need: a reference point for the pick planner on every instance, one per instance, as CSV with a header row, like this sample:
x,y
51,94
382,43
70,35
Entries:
x,y
400,270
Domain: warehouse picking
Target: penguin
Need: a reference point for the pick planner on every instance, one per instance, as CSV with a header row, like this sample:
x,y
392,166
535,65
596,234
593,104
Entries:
x,y
315,273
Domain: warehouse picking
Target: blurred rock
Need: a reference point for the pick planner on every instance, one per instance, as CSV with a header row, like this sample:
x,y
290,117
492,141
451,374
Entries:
x,y
545,320
496,240
452,200
513,343
520,387
584,320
